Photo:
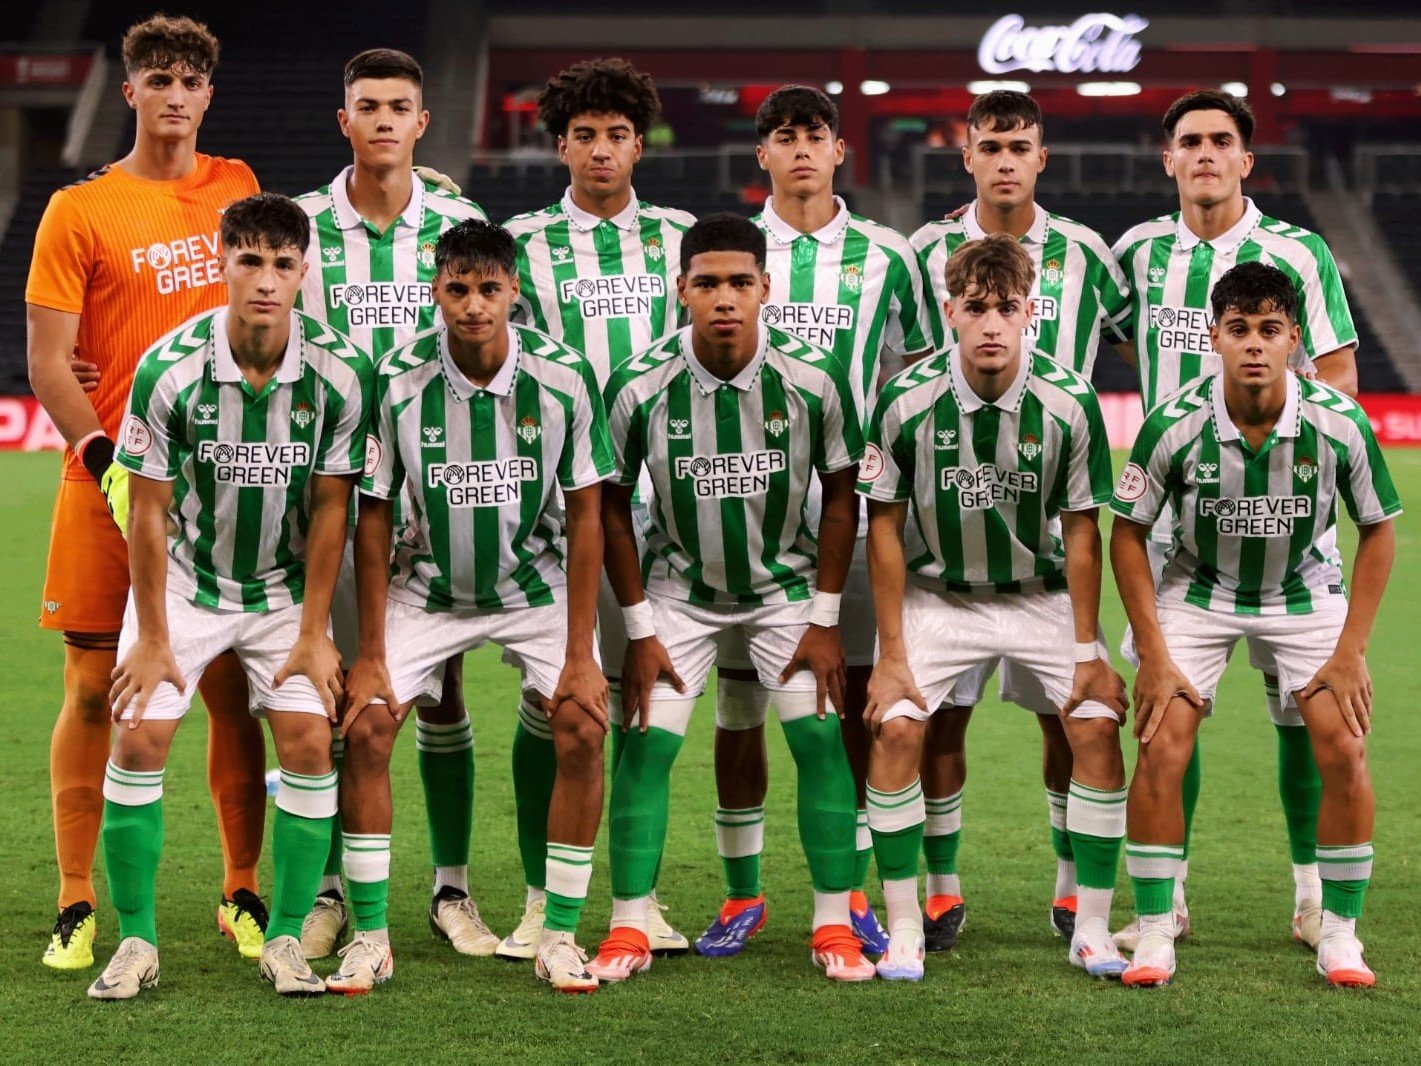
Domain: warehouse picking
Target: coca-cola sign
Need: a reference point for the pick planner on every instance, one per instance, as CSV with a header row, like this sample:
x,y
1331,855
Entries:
x,y
1095,43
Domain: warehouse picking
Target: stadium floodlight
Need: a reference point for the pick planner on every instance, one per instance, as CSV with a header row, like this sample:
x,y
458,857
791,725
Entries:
x,y
1108,88
833,88
989,85
1235,88
873,87
1278,88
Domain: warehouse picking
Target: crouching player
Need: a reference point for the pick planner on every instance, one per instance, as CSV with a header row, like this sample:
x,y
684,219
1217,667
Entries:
x,y
1252,459
731,418
487,421
984,469
245,433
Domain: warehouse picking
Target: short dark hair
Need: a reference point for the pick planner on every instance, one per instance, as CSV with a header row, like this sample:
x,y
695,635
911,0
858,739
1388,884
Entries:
x,y
1254,288
476,246
163,42
1002,110
796,105
268,220
1236,107
598,86
994,264
723,232
383,63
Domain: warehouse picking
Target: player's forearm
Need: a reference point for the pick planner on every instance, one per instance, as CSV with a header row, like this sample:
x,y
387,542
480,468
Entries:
x,y
887,574
59,392
373,529
1080,536
1126,351
1339,369
148,556
1376,551
619,547
584,567
1131,563
325,543
838,528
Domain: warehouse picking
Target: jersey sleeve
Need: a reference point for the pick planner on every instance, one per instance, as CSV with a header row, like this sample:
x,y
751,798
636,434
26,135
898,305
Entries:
x,y
384,470
63,257
1088,476
627,429
151,425
910,328
1364,481
1141,491
886,473
342,449
1112,291
1124,325
312,297
840,429
1326,317
587,451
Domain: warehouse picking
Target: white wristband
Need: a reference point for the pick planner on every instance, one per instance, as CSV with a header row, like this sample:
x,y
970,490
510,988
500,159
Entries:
x,y
824,609
638,621
1087,652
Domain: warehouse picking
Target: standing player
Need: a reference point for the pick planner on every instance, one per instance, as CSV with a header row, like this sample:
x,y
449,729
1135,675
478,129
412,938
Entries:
x,y
486,421
120,259
1078,288
370,269
990,462
1252,461
597,270
731,419
852,286
1171,264
246,427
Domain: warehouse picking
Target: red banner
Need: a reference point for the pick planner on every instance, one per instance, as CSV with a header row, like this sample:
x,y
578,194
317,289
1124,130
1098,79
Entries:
x,y
1396,418
42,68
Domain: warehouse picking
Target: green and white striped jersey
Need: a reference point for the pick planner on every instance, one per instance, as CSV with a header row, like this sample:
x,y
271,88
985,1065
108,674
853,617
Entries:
x,y
1079,285
1255,532
241,461
1171,273
854,287
986,482
483,466
604,287
730,464
377,288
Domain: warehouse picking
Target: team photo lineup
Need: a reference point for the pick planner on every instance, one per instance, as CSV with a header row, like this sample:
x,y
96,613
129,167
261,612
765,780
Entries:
x,y
847,475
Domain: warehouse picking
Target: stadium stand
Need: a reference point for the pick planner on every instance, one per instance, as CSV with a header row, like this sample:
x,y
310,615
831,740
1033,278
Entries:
x,y
19,238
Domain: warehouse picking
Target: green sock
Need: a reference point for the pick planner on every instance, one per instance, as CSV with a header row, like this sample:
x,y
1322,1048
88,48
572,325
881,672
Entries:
x,y
896,820
337,847
1152,869
305,807
942,833
133,844
639,810
1097,818
1346,870
446,768
367,879
1300,788
1193,781
827,811
535,767
569,873
740,837
863,849
1060,839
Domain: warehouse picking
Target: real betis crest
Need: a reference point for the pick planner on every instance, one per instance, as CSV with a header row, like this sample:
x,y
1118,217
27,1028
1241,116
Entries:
x,y
1029,447
653,250
776,423
529,429
851,278
1051,274
303,414
426,255
1305,469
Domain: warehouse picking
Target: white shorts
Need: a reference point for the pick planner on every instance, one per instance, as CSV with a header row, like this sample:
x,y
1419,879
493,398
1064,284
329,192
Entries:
x,y
955,641
197,635
1294,645
694,636
418,643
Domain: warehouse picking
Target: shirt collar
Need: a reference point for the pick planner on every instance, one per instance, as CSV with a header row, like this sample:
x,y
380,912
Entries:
x,y
459,383
1035,235
708,382
347,217
1226,241
224,365
968,400
784,233
1287,425
585,221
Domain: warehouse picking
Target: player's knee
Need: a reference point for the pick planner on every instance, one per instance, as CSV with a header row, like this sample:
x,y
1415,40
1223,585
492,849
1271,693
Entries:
x,y
578,739
141,750
369,740
87,680
307,750
1342,760
899,742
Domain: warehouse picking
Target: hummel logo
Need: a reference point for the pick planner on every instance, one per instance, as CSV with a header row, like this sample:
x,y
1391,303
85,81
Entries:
x,y
432,435
946,438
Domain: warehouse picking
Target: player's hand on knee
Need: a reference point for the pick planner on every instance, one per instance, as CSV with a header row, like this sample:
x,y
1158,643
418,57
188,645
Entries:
x,y
1346,676
821,651
583,683
891,682
646,662
146,666
1096,681
87,374
368,682
1157,684
314,656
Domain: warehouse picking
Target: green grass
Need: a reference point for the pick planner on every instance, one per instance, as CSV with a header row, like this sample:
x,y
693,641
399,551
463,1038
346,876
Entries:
x,y
1006,994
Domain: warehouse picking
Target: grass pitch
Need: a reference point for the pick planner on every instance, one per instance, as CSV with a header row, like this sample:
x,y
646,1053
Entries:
x,y
1244,991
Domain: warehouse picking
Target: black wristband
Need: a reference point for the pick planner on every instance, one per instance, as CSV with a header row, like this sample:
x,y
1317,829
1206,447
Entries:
x,y
97,456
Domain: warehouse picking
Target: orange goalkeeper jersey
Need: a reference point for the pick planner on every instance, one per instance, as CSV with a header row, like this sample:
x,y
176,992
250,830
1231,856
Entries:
x,y
133,259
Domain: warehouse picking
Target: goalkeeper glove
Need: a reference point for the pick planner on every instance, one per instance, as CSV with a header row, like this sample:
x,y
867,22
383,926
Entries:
x,y
96,453
438,180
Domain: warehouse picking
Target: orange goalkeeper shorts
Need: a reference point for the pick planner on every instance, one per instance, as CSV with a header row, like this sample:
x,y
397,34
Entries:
x,y
86,580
